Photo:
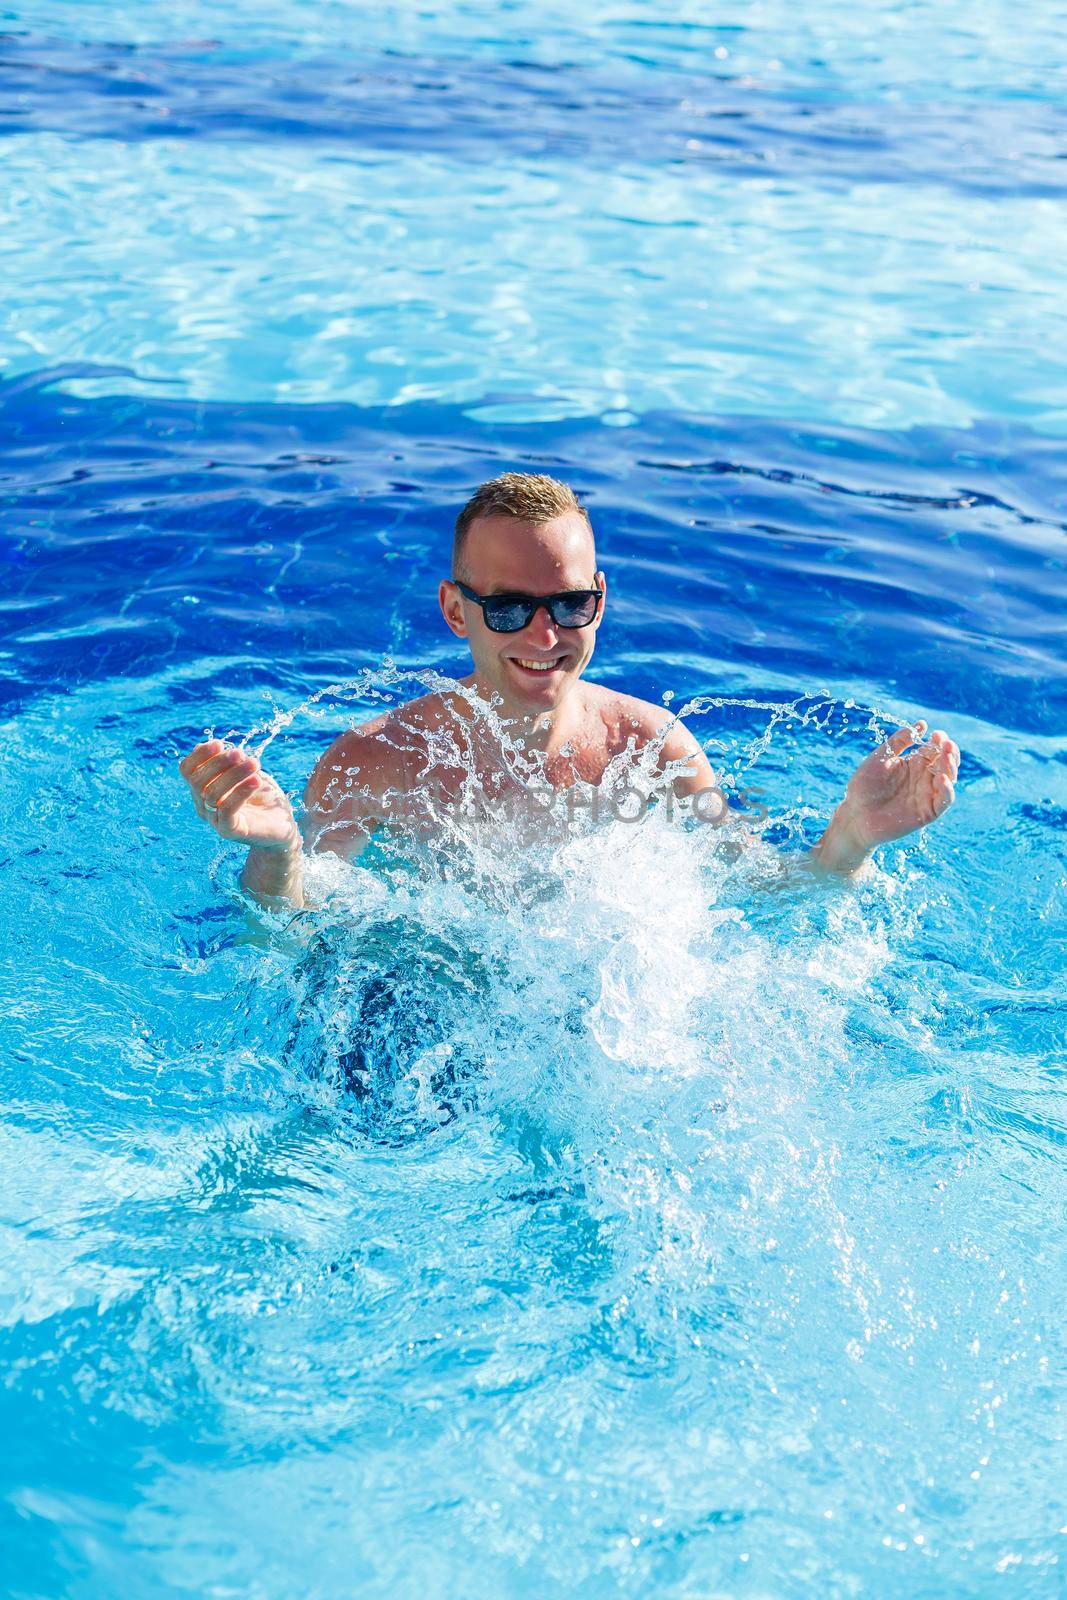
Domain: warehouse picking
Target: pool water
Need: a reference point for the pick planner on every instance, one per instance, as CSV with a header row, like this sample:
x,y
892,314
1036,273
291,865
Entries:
x,y
619,1216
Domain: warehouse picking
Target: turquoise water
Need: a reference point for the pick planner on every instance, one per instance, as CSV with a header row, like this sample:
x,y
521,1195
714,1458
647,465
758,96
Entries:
x,y
607,1216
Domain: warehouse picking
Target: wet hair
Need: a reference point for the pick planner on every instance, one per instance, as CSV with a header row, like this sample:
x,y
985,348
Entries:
x,y
526,496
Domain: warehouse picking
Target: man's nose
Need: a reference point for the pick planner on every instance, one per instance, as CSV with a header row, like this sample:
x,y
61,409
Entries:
x,y
541,630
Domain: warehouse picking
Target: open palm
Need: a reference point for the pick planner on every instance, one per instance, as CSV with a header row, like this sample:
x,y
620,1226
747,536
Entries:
x,y
892,794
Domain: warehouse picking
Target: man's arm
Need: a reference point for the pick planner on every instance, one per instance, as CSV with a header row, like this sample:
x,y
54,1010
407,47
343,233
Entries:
x,y
889,796
345,796
275,878
680,745
244,804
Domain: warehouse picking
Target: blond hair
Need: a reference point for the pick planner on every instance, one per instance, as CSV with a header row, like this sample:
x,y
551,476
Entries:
x,y
526,496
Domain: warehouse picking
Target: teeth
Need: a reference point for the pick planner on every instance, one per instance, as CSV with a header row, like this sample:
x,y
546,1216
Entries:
x,y
538,666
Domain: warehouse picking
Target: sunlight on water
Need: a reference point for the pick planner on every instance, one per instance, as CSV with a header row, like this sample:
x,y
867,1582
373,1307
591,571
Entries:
x,y
907,52
749,297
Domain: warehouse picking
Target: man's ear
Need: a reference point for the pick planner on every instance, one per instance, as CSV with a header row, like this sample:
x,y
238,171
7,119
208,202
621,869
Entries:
x,y
451,603
600,579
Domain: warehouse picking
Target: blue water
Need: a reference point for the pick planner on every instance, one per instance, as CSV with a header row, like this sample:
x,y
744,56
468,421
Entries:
x,y
617,1218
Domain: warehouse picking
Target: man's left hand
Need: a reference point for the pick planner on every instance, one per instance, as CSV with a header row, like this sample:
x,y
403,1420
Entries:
x,y
891,795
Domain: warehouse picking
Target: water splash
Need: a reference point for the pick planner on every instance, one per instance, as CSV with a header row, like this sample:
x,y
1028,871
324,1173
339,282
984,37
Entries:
x,y
619,1147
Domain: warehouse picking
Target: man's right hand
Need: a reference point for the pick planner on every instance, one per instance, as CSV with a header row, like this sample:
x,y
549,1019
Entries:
x,y
237,798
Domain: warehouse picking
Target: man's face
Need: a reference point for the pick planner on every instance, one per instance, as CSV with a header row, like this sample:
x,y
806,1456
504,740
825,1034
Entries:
x,y
505,556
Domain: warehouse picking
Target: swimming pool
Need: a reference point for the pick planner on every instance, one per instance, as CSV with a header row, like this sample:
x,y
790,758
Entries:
x,y
698,1237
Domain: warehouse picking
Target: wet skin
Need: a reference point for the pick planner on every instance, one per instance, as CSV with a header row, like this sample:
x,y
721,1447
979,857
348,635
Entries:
x,y
570,729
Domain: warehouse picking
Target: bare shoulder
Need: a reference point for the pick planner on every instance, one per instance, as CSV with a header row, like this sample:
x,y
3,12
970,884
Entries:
x,y
376,757
625,718
354,783
365,752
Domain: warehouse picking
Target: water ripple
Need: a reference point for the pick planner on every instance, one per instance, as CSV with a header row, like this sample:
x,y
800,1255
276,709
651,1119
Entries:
x,y
248,271
521,109
939,556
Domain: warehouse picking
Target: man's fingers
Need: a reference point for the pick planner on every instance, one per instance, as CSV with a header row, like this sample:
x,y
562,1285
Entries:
x,y
206,773
948,751
188,765
944,793
899,741
942,756
204,763
222,781
232,802
209,772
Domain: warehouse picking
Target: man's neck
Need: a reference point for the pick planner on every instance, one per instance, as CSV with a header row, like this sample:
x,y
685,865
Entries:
x,y
544,731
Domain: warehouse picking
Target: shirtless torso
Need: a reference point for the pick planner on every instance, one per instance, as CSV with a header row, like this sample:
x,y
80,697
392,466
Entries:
x,y
441,753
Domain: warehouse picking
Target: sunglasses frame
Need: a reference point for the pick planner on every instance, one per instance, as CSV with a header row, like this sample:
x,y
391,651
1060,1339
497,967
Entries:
x,y
535,602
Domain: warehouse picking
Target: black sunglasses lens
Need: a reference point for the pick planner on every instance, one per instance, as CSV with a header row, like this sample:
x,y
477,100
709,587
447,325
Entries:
x,y
507,616
574,613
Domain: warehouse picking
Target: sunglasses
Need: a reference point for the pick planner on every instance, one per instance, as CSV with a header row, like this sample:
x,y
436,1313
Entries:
x,y
510,613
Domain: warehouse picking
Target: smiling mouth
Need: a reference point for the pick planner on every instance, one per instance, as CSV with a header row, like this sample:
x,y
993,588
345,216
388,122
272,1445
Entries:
x,y
530,665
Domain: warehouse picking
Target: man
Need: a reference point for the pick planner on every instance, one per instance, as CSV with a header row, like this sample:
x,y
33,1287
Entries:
x,y
527,596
